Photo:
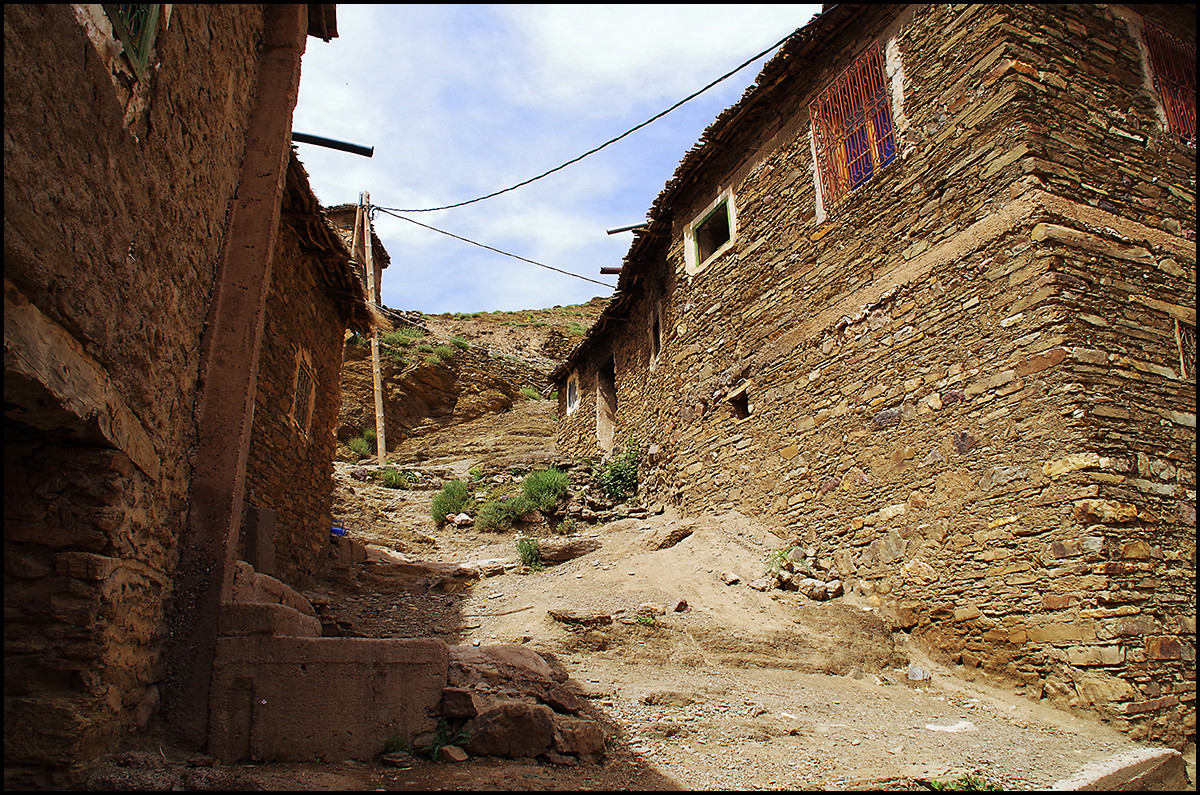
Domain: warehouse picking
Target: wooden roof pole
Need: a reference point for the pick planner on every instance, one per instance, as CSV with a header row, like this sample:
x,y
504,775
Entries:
x,y
373,297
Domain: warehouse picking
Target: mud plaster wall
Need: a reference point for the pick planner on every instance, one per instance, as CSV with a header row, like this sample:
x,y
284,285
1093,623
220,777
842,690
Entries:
x,y
115,238
964,388
290,468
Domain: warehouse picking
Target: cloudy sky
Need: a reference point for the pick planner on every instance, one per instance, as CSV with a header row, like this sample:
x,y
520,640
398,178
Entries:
x,y
460,101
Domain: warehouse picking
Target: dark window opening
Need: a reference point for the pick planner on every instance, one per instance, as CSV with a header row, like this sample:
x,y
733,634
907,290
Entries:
x,y
572,392
713,232
655,334
740,405
1173,62
739,401
135,27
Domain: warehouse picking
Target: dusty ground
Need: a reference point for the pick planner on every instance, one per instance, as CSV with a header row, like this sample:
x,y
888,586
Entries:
x,y
744,690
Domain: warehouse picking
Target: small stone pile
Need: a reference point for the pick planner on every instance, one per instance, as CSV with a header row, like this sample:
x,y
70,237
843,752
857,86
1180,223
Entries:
x,y
803,571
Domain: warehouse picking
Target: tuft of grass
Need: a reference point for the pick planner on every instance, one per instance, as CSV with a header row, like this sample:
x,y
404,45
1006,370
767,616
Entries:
x,y
395,479
452,499
530,555
530,393
545,487
500,514
443,737
777,557
967,781
460,343
364,443
397,743
645,619
402,337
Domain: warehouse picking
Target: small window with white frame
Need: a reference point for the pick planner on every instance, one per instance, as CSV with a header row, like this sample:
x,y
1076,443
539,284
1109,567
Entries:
x,y
572,392
711,234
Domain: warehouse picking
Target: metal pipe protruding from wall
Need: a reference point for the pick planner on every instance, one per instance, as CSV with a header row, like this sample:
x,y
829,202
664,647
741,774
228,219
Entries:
x,y
343,146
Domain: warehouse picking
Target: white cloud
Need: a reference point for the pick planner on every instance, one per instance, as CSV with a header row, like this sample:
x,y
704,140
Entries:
x,y
463,100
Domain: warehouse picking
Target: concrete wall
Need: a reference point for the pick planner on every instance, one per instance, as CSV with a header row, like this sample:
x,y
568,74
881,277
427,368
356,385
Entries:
x,y
114,222
962,382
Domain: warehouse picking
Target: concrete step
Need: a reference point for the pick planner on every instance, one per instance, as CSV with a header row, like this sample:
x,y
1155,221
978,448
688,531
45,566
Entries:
x,y
292,699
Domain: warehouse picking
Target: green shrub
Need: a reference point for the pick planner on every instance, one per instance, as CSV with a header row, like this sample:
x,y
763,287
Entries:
x,y
967,781
452,499
424,347
528,552
530,393
444,352
545,487
402,337
361,446
500,514
577,329
395,479
396,743
618,478
460,343
443,737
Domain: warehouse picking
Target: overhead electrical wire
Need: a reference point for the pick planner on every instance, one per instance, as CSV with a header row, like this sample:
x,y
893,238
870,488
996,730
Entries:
x,y
590,152
490,248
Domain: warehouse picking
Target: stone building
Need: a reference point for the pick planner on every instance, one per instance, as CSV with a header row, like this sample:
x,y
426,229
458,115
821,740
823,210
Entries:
x,y
924,300
316,294
146,175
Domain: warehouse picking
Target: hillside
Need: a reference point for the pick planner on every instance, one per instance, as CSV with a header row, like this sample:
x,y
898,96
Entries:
x,y
442,370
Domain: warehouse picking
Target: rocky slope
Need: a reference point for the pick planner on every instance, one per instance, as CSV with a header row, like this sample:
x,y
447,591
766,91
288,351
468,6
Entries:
x,y
442,370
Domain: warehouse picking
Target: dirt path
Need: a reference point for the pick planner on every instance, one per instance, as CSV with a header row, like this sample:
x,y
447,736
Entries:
x,y
742,690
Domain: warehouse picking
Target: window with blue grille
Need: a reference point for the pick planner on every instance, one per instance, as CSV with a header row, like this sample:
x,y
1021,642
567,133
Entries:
x,y
852,127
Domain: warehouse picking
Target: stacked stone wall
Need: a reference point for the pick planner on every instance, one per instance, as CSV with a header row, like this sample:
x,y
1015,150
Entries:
x,y
290,469
113,231
963,386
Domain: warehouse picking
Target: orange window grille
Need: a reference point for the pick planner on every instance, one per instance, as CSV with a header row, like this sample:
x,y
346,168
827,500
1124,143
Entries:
x,y
852,127
304,397
1173,62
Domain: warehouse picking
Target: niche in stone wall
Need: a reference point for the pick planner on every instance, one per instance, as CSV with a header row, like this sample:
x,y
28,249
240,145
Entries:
x,y
739,401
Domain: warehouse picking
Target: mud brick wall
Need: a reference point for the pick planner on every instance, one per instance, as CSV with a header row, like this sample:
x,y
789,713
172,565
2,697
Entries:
x,y
963,385
290,469
115,237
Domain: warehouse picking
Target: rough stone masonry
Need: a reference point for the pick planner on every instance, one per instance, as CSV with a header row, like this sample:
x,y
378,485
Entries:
x,y
968,385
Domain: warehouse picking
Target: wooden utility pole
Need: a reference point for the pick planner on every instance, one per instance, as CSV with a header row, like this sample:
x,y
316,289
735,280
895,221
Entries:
x,y
373,295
